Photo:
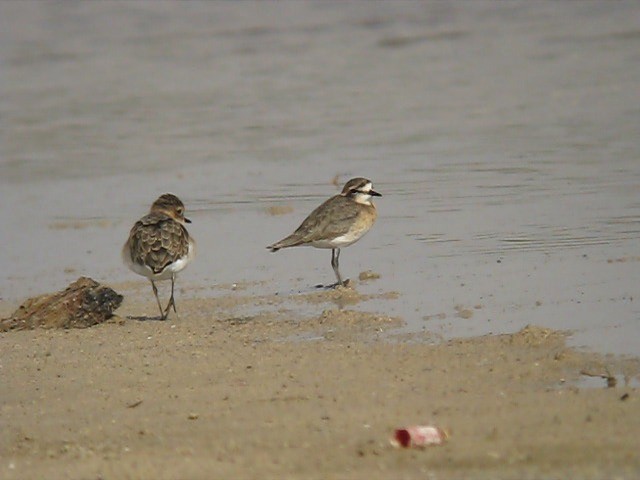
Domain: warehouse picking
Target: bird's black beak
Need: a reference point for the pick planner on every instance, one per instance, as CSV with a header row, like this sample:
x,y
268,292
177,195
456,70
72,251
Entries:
x,y
373,193
186,220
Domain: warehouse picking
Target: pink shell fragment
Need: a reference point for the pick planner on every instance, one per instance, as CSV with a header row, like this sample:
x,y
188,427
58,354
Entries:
x,y
418,436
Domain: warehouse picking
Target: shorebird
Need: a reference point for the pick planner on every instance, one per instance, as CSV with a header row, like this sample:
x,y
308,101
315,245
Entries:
x,y
338,222
159,245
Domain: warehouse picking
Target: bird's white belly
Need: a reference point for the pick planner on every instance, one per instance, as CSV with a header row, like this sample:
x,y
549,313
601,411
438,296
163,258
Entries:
x,y
339,242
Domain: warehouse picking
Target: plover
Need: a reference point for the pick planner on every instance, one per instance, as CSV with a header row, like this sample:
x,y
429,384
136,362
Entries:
x,y
339,222
159,245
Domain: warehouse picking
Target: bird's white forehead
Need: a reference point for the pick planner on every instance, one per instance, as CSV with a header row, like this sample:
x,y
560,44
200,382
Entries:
x,y
367,187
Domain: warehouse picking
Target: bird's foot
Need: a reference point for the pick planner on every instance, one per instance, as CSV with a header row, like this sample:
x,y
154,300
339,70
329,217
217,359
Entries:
x,y
344,284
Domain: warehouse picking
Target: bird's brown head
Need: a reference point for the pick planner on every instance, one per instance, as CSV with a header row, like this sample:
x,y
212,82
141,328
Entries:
x,y
360,189
170,205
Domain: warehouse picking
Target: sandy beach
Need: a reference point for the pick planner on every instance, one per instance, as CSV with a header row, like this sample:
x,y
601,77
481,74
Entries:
x,y
212,395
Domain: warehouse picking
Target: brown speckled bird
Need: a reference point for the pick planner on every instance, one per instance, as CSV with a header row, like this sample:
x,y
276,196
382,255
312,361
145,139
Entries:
x,y
339,222
159,245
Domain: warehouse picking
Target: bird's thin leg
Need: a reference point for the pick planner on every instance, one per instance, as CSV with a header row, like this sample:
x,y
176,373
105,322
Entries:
x,y
335,256
155,292
172,302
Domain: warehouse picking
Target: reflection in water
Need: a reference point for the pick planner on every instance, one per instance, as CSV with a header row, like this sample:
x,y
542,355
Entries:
x,y
494,137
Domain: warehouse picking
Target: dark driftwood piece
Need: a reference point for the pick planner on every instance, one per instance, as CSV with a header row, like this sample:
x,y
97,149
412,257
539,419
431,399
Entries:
x,y
82,304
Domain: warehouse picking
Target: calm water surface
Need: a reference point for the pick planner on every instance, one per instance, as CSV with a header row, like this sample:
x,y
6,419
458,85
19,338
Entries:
x,y
503,135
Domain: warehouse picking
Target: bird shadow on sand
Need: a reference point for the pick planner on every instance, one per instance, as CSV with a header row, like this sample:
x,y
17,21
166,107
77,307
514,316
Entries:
x,y
145,318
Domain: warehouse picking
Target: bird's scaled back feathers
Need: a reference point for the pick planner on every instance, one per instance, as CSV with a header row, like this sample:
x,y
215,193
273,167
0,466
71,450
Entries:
x,y
157,241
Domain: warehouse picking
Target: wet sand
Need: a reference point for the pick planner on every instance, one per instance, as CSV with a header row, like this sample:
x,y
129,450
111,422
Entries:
x,y
279,395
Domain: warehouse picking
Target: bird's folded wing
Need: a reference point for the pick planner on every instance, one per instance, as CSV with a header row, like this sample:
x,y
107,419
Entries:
x,y
331,219
158,242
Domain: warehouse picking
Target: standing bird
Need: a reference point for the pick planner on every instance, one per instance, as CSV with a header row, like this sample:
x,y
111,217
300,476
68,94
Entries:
x,y
338,222
159,245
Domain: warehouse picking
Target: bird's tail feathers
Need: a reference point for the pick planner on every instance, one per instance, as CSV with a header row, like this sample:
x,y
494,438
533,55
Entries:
x,y
290,241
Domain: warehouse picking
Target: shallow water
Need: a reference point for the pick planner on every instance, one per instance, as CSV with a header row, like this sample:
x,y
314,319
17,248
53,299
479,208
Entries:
x,y
503,136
